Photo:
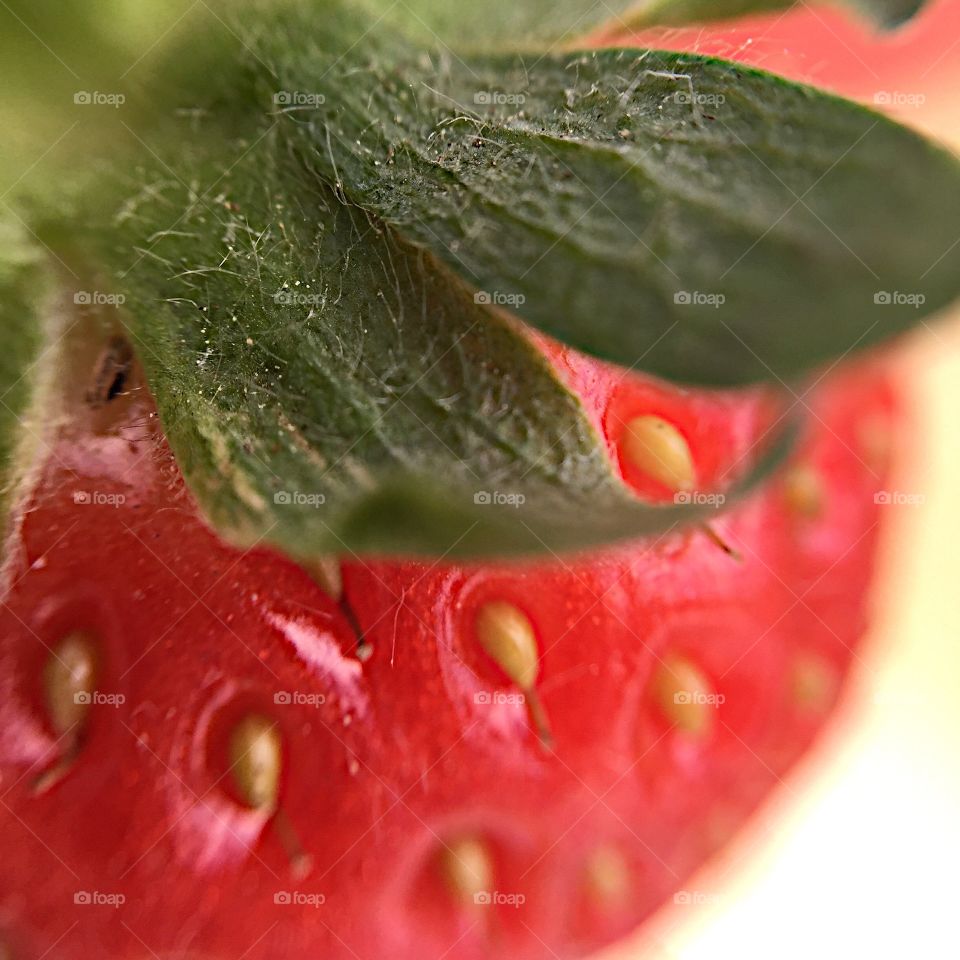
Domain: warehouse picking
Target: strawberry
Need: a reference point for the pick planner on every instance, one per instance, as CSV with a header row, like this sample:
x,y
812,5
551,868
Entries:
x,y
214,753
328,263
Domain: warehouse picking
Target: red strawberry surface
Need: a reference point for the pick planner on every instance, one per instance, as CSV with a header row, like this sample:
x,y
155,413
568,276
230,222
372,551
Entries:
x,y
210,754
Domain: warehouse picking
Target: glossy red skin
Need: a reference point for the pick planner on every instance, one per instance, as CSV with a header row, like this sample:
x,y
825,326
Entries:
x,y
400,757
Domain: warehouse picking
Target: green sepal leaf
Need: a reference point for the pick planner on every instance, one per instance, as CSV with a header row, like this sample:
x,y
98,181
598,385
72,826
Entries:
x,y
327,380
327,387
704,221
